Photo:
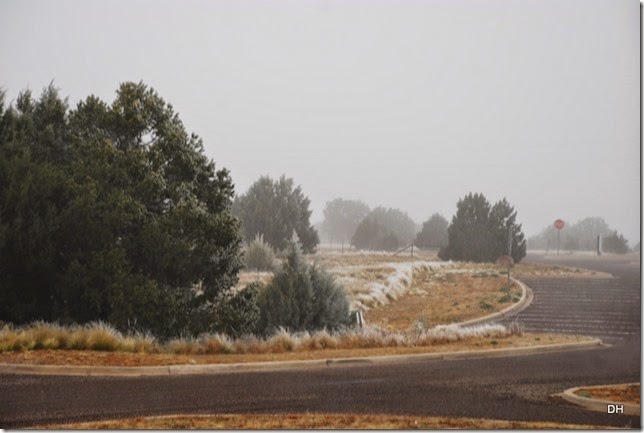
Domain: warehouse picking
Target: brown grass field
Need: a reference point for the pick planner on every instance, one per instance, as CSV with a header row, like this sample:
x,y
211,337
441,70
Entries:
x,y
436,298
310,421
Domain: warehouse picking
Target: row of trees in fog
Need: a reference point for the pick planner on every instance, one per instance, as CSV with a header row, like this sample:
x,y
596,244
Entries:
x,y
352,222
581,236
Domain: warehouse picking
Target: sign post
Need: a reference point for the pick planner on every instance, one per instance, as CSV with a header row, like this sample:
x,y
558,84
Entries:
x,y
559,224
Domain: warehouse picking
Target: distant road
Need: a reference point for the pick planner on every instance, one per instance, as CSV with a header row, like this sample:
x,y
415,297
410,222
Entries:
x,y
512,388
606,308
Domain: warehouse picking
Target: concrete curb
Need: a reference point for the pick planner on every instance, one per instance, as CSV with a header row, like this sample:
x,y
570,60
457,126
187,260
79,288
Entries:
x,y
176,370
595,404
526,299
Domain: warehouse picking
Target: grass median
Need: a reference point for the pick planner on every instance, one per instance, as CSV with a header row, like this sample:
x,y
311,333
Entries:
x,y
312,421
623,393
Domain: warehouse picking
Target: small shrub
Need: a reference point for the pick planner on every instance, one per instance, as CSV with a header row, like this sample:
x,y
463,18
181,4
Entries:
x,y
281,341
485,306
218,344
302,297
181,346
515,328
260,256
102,336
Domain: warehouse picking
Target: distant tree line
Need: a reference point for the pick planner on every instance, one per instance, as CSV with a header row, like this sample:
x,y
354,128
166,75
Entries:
x,y
581,236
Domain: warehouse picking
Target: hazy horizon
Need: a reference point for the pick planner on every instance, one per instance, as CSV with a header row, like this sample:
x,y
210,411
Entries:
x,y
406,104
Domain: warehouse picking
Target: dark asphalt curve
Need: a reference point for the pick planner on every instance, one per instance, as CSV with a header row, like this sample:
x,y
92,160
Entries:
x,y
511,388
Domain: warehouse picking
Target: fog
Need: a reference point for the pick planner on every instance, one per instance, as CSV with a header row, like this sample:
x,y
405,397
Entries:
x,y
400,103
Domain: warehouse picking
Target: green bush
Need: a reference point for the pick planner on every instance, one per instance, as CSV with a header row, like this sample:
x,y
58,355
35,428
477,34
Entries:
x,y
236,311
302,297
259,255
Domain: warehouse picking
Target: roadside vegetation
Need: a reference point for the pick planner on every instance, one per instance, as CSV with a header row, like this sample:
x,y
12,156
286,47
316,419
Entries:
x,y
102,337
448,294
312,421
626,393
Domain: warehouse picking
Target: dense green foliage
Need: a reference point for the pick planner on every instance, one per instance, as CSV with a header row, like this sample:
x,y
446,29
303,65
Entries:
x,y
433,233
341,218
276,209
302,297
111,212
482,233
236,312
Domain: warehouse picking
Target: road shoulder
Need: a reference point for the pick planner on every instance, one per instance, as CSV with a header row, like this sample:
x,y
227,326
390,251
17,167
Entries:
x,y
173,370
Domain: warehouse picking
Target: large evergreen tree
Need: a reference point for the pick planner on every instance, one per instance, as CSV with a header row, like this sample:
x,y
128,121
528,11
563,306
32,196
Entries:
x,y
111,212
275,209
479,232
505,229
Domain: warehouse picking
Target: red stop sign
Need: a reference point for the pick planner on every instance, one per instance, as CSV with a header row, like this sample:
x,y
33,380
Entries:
x,y
559,224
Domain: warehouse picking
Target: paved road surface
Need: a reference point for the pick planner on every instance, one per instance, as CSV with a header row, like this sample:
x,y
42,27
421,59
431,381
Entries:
x,y
606,308
513,388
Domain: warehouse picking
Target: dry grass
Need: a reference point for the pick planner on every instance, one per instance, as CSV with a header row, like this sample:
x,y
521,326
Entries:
x,y
447,295
312,421
93,336
617,393
538,269
317,349
248,277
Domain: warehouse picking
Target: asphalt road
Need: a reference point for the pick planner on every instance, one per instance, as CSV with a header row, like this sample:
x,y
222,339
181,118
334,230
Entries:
x,y
512,388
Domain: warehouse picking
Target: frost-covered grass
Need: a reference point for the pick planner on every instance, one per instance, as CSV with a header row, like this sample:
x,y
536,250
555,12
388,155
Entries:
x,y
379,283
93,336
368,337
99,336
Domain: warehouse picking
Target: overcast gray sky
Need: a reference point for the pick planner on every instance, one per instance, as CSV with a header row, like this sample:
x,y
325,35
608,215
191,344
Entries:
x,y
407,104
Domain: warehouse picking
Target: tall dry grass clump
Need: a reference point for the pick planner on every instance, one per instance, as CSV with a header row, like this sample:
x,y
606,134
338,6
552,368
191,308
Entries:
x,y
92,336
103,337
